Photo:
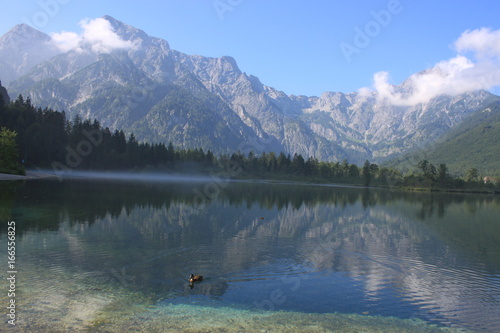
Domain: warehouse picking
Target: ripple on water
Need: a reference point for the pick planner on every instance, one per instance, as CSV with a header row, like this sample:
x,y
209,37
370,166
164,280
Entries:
x,y
445,295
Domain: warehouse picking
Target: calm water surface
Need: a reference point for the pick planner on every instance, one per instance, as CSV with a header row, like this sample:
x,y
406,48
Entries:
x,y
115,256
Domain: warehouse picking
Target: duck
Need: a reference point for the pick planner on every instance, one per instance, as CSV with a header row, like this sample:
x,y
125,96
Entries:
x,y
195,278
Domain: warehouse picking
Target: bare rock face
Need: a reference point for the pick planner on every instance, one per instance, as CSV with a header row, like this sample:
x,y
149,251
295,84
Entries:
x,y
164,95
4,96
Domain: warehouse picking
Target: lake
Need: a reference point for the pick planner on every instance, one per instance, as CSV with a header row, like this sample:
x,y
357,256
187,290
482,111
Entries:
x,y
115,256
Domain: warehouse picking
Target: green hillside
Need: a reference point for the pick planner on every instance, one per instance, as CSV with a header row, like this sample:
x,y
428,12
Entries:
x,y
475,143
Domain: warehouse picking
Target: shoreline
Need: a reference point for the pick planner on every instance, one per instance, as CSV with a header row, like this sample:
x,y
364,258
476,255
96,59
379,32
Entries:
x,y
41,174
29,175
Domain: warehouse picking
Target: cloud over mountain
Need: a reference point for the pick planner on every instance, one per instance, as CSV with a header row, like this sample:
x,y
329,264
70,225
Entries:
x,y
98,35
476,66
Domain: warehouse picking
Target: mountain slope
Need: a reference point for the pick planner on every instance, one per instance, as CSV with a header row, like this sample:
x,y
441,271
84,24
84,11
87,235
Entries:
x,y
194,101
474,143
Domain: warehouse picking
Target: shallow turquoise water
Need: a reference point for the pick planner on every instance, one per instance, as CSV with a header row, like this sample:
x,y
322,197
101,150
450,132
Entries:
x,y
101,255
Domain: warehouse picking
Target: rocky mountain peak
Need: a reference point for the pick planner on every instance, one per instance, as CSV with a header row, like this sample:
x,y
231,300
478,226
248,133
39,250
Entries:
x,y
24,32
135,82
22,48
129,33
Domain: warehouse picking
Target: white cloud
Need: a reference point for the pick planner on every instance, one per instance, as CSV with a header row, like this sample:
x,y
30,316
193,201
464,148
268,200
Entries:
x,y
98,35
66,41
454,76
484,42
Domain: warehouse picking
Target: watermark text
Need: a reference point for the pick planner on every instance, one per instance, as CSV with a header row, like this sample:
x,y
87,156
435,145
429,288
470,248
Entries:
x,y
364,35
11,272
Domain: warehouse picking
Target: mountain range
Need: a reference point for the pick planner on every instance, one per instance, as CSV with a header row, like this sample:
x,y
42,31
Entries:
x,y
143,86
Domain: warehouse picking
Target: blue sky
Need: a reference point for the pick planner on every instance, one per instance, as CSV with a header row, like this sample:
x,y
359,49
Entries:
x,y
296,46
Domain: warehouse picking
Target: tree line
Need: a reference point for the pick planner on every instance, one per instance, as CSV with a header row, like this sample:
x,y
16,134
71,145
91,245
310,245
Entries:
x,y
33,137
46,139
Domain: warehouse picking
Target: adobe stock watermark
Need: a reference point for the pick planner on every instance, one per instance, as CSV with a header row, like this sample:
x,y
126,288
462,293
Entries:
x,y
224,6
220,180
75,156
364,35
277,296
292,282
93,138
112,276
11,272
48,10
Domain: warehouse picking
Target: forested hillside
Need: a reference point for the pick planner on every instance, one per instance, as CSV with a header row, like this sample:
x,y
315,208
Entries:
x,y
475,143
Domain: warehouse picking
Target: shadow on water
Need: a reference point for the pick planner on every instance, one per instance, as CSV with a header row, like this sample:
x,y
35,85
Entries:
x,y
306,249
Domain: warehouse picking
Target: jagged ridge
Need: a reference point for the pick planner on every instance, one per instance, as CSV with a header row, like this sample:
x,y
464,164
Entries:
x,y
165,95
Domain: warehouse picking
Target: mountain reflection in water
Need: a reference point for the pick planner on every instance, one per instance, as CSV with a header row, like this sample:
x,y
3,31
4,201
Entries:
x,y
306,249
